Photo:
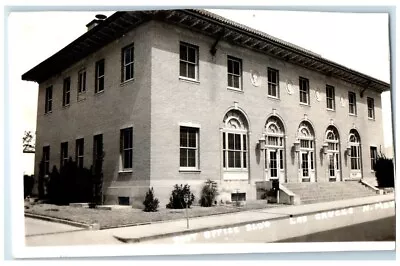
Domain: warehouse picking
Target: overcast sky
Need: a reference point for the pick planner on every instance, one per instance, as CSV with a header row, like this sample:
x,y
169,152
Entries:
x,y
358,41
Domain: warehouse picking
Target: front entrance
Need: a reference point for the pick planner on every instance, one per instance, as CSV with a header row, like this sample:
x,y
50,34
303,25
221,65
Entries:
x,y
333,167
274,168
307,170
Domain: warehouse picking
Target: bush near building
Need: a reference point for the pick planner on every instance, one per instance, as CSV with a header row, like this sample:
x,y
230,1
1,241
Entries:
x,y
150,202
384,171
208,193
177,201
29,181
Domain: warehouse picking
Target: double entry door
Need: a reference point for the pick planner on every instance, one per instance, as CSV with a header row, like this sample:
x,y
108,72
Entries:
x,y
307,166
274,164
333,166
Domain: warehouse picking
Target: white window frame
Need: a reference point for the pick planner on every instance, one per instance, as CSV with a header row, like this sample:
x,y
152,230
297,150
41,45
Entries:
x,y
243,151
352,104
100,77
196,63
330,98
304,82
231,75
357,147
124,149
187,148
66,91
371,108
270,72
63,153
48,106
126,64
373,151
82,81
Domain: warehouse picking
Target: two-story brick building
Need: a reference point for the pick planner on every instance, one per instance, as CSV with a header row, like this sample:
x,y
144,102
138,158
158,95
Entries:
x,y
182,96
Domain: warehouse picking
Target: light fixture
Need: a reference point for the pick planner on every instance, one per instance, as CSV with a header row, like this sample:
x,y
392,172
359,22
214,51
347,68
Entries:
x,y
296,145
261,142
325,148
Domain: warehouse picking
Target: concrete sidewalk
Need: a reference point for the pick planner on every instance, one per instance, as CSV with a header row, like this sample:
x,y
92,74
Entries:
x,y
178,227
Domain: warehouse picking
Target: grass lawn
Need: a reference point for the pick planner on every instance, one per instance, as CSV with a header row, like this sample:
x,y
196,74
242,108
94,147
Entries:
x,y
131,216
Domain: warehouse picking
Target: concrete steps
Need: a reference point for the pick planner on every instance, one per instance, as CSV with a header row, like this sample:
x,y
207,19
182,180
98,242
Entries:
x,y
329,191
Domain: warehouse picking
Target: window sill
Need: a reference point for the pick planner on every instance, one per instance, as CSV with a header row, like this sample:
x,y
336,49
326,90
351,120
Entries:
x,y
99,92
126,82
350,114
371,119
235,170
305,104
273,98
235,90
125,172
48,113
65,106
189,80
330,110
81,97
194,171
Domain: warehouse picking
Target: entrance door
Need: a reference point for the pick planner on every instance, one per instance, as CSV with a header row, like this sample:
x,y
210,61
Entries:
x,y
307,171
333,167
274,166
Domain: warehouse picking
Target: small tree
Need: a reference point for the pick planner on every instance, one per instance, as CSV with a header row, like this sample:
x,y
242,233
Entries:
x,y
208,193
177,201
150,202
384,171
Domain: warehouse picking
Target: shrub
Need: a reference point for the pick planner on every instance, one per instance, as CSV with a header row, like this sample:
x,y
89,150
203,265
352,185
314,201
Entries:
x,y
29,181
208,193
384,171
98,180
177,201
41,184
150,202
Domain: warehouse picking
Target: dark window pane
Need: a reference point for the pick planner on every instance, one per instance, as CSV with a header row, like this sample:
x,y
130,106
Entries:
x,y
192,139
101,84
237,159
230,80
192,55
237,142
183,138
230,66
244,159
236,68
224,159
182,69
191,71
183,52
223,140
183,158
231,157
230,141
244,142
191,158
236,82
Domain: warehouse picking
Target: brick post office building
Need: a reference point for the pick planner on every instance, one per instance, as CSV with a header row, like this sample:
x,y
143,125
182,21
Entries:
x,y
182,96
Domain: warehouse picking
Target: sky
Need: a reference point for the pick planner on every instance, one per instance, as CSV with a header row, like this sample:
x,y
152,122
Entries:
x,y
358,41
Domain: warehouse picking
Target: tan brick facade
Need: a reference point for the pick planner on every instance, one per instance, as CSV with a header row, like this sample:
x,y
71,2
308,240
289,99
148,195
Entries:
x,y
157,102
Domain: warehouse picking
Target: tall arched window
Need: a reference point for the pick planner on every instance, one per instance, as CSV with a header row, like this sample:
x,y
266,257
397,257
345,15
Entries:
x,y
274,149
333,155
305,134
235,144
355,150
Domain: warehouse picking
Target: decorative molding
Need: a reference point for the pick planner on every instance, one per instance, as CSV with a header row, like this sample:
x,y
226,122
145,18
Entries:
x,y
236,105
342,102
255,78
317,94
289,87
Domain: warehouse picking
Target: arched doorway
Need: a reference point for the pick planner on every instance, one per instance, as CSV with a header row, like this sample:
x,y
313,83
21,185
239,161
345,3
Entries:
x,y
306,136
355,154
333,154
235,146
274,149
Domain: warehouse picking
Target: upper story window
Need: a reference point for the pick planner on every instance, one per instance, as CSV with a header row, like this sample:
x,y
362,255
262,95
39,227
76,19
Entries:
x,y
304,87
127,148
64,154
189,148
66,91
330,97
188,61
352,103
82,81
371,108
99,76
234,73
273,82
127,63
48,105
79,151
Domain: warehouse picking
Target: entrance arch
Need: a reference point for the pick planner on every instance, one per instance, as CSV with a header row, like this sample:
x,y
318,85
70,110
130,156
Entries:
x,y
333,153
274,154
355,154
306,136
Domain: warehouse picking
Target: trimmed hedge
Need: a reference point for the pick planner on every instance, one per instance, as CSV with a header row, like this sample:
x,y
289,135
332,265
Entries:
x,y
384,171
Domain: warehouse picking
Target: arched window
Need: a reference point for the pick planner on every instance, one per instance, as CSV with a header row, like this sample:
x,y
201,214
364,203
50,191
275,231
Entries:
x,y
234,141
355,152
332,140
306,135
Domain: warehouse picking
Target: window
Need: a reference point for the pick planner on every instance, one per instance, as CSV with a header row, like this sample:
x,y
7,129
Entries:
x,y
352,103
127,63
189,147
79,150
273,82
126,148
97,147
374,156
188,61
235,150
330,97
48,105
371,108
304,91
82,81
46,159
355,151
66,91
234,73
64,154
99,76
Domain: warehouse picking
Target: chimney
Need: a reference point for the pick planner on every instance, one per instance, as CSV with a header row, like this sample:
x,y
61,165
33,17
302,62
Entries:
x,y
99,18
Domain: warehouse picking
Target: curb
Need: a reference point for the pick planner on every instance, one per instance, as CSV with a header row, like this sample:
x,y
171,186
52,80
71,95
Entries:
x,y
94,226
191,231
